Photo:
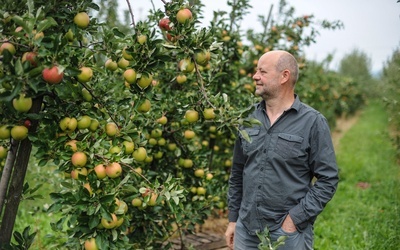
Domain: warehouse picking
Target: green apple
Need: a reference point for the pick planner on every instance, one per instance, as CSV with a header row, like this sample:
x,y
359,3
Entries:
x,y
109,224
137,202
199,173
111,65
186,65
145,106
19,132
111,129
22,104
84,122
130,75
68,124
129,147
142,39
144,81
90,244
94,124
140,154
86,95
5,132
208,113
192,116
3,152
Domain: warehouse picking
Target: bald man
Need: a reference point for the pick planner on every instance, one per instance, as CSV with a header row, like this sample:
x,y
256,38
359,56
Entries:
x,y
271,182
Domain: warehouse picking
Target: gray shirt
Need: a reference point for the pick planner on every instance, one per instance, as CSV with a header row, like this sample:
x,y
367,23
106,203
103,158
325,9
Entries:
x,y
273,174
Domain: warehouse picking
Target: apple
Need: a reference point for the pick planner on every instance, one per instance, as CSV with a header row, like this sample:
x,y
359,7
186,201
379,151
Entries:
x,y
148,159
126,54
119,222
22,104
181,79
86,95
5,132
158,155
144,81
69,35
189,134
186,65
114,170
27,123
199,172
84,122
208,113
82,20
90,244
138,170
37,36
137,202
30,57
162,142
109,224
183,15
79,159
85,75
52,75
192,116
171,146
115,150
209,176
130,75
129,147
94,124
123,63
19,132
100,171
142,39
203,57
3,152
201,191
153,200
121,207
88,187
145,106
68,124
139,154
156,133
162,120
152,141
187,163
111,65
164,24
228,163
79,171
72,145
111,129
7,46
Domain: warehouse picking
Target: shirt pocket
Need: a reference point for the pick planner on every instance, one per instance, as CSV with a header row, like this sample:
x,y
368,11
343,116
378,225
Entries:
x,y
253,134
289,146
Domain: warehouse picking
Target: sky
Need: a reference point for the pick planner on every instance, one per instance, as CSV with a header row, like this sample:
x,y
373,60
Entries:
x,y
371,26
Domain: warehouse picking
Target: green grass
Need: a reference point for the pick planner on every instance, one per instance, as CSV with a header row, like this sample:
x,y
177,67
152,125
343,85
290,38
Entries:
x,y
364,218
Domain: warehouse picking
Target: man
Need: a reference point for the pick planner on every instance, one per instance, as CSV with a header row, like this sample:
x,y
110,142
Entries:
x,y
271,183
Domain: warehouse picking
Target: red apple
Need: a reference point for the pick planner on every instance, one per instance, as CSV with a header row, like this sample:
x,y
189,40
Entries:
x,y
79,159
53,75
164,24
7,46
100,171
30,57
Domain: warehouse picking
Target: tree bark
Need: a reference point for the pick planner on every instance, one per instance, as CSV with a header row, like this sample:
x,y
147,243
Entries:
x,y
15,188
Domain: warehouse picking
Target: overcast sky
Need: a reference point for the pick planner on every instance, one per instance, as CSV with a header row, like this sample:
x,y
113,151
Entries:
x,y
373,26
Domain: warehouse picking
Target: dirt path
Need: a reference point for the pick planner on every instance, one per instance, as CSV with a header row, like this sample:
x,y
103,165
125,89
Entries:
x,y
343,124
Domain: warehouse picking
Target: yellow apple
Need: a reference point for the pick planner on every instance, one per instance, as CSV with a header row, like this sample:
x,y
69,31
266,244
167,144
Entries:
x,y
187,163
123,63
72,145
192,116
128,147
111,129
186,65
114,170
85,75
201,191
79,171
183,15
139,154
130,75
181,79
90,244
84,122
144,81
22,103
137,202
5,132
82,20
145,106
142,39
68,124
79,159
100,171
189,134
208,113
162,120
111,65
199,172
109,224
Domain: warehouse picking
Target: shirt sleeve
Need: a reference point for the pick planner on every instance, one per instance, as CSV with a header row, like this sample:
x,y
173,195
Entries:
x,y
236,182
322,162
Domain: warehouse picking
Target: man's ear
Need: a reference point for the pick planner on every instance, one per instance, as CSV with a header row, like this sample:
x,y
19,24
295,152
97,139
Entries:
x,y
285,76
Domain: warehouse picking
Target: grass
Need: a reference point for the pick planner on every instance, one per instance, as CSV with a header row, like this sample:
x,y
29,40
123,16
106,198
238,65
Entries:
x,y
364,213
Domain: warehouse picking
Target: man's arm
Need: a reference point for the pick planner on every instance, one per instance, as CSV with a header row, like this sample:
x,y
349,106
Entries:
x,y
322,162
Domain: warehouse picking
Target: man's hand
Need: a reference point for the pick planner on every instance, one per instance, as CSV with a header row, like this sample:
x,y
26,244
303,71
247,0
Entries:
x,y
288,225
229,234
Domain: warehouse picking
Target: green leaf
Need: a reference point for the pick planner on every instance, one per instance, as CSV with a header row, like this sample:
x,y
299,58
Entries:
x,y
45,24
20,22
245,135
93,222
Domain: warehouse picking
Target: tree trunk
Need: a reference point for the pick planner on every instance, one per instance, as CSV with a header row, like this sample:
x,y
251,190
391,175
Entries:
x,y
6,174
15,188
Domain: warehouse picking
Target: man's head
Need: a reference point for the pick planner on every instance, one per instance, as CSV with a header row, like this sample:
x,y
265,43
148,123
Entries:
x,y
276,71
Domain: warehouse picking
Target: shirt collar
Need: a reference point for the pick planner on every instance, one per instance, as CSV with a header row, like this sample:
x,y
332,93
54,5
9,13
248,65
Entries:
x,y
296,104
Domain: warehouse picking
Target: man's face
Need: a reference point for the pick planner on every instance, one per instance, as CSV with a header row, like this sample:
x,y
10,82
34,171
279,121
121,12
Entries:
x,y
267,77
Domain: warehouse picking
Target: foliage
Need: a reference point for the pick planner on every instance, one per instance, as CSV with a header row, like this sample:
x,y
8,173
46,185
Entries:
x,y
391,94
148,109
266,243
